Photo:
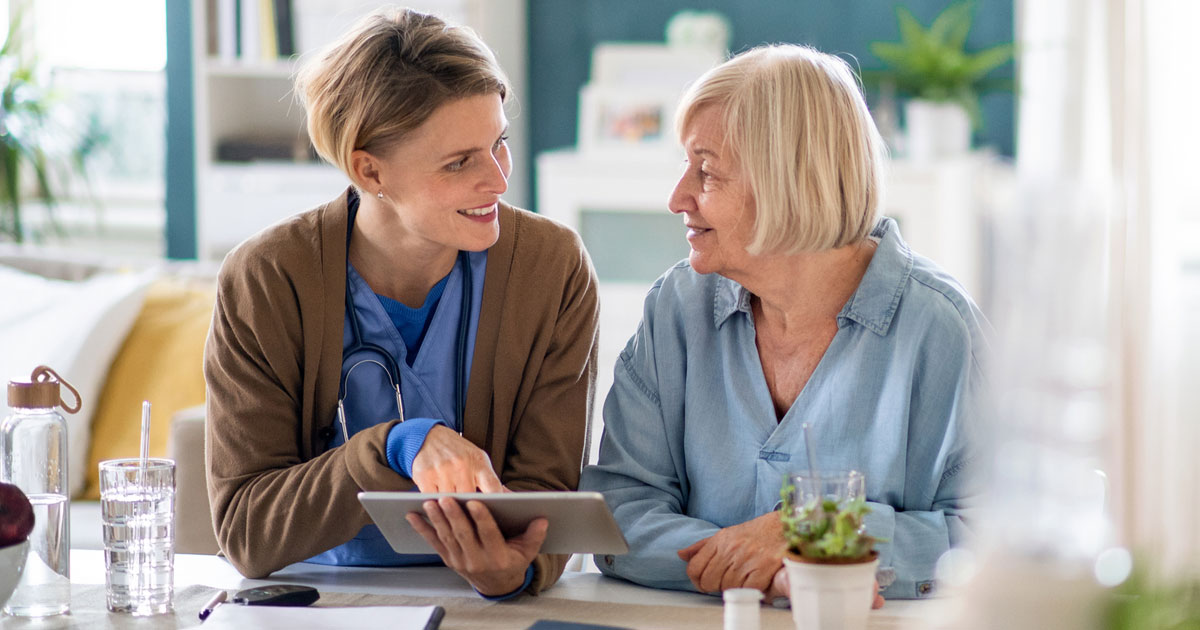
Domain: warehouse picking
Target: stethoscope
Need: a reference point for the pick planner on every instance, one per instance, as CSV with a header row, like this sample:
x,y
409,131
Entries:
x,y
388,364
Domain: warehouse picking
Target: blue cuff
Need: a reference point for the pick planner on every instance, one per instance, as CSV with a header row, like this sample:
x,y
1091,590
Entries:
x,y
405,440
520,589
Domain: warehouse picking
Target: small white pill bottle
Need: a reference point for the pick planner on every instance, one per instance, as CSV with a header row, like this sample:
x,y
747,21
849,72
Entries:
x,y
742,608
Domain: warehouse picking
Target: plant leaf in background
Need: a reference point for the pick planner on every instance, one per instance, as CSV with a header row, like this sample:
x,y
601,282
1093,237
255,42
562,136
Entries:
x,y
933,63
32,138
1143,602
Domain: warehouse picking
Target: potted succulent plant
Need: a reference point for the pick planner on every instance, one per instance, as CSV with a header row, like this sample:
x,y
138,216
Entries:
x,y
16,521
943,80
830,559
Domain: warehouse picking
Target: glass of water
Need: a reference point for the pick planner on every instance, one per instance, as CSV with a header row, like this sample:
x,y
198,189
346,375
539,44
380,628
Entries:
x,y
841,487
137,508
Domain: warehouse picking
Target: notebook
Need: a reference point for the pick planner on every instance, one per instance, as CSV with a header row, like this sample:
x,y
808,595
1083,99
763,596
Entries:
x,y
236,617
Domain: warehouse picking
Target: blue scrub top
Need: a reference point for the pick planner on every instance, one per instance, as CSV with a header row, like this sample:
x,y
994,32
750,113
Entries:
x,y
427,386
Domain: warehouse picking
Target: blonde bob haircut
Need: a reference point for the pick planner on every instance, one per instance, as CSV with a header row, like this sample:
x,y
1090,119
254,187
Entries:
x,y
797,127
385,77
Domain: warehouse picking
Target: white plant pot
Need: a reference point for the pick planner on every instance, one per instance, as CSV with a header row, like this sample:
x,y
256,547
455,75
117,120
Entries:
x,y
831,596
935,131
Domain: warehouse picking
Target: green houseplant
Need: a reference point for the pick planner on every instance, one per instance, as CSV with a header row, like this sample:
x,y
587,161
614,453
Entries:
x,y
824,531
944,80
830,559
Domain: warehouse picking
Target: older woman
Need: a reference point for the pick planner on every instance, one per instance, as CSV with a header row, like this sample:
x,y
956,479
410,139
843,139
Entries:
x,y
415,332
797,304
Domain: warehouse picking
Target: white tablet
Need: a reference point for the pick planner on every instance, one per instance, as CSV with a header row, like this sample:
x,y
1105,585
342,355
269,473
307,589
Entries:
x,y
580,522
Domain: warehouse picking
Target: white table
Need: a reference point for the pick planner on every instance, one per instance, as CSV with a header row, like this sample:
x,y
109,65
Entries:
x,y
576,597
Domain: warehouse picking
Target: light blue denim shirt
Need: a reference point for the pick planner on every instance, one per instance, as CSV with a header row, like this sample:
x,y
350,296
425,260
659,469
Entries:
x,y
691,442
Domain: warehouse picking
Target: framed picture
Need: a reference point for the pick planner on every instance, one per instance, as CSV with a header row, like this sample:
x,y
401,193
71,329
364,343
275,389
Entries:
x,y
625,120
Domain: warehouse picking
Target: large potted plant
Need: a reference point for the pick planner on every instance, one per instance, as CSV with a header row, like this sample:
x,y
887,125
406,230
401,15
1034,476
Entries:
x,y
941,78
830,559
37,149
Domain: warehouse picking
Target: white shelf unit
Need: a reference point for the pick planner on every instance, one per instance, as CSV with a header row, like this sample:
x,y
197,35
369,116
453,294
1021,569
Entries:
x,y
253,99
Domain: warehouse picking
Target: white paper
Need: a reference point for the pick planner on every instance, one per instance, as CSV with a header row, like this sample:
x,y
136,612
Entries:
x,y
239,617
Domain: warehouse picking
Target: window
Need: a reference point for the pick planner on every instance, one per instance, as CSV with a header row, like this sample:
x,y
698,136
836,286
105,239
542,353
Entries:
x,y
125,35
104,64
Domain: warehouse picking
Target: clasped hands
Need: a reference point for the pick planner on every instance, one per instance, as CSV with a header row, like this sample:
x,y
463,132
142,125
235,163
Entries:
x,y
748,555
469,541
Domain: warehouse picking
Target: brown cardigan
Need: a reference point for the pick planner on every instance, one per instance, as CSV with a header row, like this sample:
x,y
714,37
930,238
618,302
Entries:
x,y
273,364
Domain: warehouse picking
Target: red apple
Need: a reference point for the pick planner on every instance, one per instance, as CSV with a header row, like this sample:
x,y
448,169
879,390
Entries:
x,y
16,515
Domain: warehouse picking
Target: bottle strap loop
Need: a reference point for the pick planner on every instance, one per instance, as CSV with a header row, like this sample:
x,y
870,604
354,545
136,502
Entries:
x,y
44,374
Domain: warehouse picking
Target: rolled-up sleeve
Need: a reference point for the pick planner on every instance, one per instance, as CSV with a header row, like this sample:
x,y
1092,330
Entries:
x,y
641,473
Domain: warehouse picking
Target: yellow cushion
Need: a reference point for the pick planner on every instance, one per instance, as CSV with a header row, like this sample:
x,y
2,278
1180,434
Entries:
x,y
160,361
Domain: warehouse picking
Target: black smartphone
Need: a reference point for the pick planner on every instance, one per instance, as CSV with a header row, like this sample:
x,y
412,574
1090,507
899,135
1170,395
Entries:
x,y
277,595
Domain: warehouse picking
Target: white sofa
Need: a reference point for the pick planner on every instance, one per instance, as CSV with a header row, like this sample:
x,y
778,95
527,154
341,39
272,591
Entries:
x,y
75,312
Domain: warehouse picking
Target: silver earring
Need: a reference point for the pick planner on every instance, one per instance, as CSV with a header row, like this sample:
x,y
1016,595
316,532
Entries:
x,y
380,194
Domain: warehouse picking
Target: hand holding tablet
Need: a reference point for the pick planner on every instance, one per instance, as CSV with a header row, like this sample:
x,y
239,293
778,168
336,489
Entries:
x,y
578,522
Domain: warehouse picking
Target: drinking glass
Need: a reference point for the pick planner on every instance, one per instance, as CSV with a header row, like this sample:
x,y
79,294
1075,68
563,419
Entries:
x,y
138,515
840,486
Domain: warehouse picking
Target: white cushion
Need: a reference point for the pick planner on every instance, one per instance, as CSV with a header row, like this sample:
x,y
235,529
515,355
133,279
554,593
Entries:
x,y
75,328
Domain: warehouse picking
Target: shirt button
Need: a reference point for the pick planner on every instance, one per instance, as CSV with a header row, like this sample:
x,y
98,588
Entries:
x,y
925,589
608,560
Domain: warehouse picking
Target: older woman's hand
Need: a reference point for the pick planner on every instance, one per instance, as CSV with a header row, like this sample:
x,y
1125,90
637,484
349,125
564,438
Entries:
x,y
448,462
471,544
746,555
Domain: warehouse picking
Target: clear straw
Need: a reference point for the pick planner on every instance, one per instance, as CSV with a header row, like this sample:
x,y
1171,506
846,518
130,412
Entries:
x,y
812,455
814,482
140,505
145,456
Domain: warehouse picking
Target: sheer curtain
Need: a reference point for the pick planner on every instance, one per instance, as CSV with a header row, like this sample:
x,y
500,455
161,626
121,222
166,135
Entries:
x,y
1108,121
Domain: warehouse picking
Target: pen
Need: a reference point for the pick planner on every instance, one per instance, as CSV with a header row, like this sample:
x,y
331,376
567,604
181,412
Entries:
x,y
212,604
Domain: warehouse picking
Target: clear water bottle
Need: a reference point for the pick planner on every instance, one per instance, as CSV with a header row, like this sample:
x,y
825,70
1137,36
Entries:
x,y
33,444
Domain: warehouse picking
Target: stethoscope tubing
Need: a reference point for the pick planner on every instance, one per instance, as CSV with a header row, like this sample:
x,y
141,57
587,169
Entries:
x,y
389,365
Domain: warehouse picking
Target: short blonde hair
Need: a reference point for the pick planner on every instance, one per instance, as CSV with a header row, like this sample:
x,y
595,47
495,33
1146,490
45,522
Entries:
x,y
386,76
796,124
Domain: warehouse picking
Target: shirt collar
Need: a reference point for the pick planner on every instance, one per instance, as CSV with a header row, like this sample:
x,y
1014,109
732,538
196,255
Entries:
x,y
730,298
874,302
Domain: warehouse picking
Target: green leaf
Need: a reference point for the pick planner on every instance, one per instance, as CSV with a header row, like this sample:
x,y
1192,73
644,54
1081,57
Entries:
x,y
950,28
893,54
987,60
911,31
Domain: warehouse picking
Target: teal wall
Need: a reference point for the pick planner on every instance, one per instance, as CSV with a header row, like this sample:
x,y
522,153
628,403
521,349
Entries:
x,y
181,153
561,36
563,32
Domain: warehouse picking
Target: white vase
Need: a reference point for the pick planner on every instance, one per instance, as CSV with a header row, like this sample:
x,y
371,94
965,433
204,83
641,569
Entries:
x,y
935,131
831,596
